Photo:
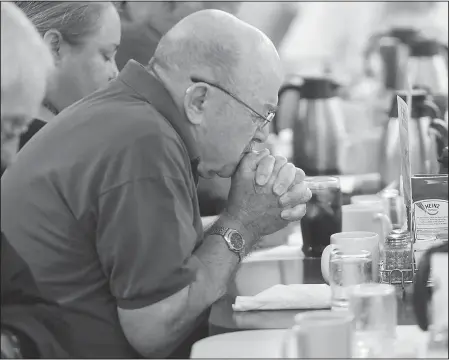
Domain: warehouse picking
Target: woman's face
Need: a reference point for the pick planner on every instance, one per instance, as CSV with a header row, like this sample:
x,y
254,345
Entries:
x,y
83,69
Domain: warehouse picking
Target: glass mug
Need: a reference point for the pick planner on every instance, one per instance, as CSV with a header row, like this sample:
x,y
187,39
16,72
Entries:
x,y
323,214
347,268
374,307
353,240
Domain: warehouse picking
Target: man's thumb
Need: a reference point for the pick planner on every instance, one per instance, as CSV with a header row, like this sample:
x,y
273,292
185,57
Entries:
x,y
250,160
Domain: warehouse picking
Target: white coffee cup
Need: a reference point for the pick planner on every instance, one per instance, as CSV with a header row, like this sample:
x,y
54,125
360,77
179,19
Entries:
x,y
323,334
366,217
367,199
350,242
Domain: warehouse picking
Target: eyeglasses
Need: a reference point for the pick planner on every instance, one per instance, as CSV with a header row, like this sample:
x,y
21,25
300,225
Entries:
x,y
265,119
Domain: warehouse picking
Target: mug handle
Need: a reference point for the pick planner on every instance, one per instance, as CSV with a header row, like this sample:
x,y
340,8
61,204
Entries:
x,y
386,225
289,350
325,262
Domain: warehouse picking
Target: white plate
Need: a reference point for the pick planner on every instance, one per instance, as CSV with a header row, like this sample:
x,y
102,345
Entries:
x,y
269,344
241,344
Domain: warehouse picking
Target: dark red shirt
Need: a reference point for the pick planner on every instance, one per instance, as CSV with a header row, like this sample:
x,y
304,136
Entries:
x,y
102,205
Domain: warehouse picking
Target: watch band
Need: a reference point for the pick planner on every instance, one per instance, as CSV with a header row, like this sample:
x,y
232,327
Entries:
x,y
220,230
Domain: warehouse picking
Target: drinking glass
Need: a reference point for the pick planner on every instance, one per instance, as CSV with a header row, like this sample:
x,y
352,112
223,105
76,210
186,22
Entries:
x,y
347,269
374,307
323,214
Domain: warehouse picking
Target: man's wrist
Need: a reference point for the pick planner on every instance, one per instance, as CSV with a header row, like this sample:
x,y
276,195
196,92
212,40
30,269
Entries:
x,y
226,220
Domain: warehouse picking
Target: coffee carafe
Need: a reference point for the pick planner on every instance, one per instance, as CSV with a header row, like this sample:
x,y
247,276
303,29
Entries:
x,y
387,54
428,136
427,69
313,110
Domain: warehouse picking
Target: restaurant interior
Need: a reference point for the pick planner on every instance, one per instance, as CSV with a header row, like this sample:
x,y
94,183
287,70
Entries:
x,y
363,111
346,63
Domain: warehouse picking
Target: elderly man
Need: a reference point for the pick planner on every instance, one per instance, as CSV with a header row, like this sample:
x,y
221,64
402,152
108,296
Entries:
x,y
108,190
143,25
31,326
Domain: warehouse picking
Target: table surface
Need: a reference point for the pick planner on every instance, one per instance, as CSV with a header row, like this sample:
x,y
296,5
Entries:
x,y
255,276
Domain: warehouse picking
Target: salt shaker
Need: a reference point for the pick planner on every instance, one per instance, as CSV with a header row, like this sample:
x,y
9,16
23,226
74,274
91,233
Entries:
x,y
396,258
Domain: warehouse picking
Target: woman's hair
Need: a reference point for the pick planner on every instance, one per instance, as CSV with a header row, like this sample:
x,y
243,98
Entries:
x,y
74,20
26,61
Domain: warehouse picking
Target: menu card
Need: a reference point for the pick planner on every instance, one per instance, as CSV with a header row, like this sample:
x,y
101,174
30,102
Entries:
x,y
403,123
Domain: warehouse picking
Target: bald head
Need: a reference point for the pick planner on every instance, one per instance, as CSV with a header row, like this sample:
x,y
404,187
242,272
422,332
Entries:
x,y
217,45
26,63
224,75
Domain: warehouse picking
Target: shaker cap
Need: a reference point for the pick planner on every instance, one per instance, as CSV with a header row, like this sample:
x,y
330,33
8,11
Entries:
x,y
398,237
425,48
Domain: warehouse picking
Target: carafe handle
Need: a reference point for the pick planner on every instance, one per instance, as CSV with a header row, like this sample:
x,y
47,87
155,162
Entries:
x,y
437,125
429,108
440,127
295,85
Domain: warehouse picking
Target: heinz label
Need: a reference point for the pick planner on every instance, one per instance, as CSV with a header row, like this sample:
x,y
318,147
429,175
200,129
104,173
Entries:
x,y
430,206
430,218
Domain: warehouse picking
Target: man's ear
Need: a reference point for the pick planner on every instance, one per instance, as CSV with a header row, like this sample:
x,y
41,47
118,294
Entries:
x,y
195,102
54,40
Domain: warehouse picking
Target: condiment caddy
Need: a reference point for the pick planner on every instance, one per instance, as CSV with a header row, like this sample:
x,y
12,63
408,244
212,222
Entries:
x,y
397,264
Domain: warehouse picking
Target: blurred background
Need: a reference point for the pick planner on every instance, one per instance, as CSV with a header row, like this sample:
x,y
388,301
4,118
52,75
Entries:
x,y
344,63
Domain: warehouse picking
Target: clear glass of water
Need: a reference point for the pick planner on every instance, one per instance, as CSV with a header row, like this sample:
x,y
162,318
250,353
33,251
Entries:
x,y
374,307
347,269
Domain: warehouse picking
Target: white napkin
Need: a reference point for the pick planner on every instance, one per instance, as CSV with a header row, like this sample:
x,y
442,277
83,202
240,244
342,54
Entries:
x,y
284,297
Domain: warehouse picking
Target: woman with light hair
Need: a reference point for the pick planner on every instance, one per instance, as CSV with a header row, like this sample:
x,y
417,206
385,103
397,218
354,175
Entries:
x,y
83,38
31,326
26,64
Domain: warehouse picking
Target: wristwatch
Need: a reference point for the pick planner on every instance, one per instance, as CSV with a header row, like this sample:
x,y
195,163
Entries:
x,y
233,238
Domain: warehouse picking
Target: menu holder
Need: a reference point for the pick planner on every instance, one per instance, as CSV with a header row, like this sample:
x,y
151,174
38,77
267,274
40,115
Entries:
x,y
403,123
404,114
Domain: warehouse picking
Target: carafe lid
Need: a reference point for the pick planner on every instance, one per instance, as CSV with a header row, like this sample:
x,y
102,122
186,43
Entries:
x,y
425,48
318,88
405,35
418,97
293,81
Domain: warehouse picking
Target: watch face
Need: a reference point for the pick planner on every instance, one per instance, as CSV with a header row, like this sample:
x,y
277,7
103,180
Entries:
x,y
236,241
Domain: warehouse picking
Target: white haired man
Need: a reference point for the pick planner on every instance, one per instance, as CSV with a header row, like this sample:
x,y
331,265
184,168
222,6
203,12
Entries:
x,y
31,325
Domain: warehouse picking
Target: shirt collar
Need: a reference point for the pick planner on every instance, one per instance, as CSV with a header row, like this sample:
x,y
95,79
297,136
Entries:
x,y
153,91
